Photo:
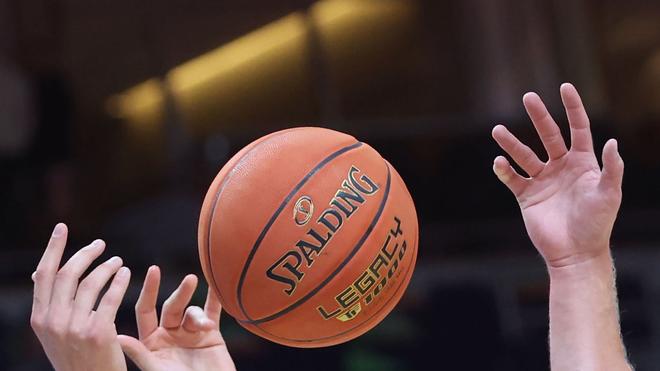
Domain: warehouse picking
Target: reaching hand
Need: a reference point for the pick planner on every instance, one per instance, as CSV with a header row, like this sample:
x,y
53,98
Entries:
x,y
186,339
568,203
73,335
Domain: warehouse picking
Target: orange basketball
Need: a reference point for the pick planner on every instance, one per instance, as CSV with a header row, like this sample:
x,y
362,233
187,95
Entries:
x,y
308,236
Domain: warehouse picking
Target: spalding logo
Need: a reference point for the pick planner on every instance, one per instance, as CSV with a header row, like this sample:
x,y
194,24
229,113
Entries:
x,y
303,210
291,267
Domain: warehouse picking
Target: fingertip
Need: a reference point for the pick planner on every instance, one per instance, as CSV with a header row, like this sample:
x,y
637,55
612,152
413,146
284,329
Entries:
x,y
529,96
96,244
153,270
497,129
611,146
188,282
566,86
59,230
500,161
611,156
192,279
152,276
124,272
500,165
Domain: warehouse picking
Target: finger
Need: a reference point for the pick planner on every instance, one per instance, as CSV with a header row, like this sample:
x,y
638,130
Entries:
x,y
44,275
612,174
91,286
112,299
520,153
136,351
507,175
177,302
546,127
195,320
212,307
577,119
67,278
145,308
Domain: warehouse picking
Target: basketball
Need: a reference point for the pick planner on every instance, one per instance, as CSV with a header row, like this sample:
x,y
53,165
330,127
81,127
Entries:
x,y
308,236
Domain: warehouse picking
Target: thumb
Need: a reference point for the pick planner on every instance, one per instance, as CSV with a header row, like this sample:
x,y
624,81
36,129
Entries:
x,y
135,350
612,174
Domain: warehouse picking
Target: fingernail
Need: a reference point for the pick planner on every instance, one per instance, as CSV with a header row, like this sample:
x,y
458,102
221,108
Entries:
x,y
59,230
114,260
33,275
123,272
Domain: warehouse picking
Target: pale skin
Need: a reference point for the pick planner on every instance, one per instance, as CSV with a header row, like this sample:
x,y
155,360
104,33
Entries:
x,y
77,336
185,339
569,205
73,334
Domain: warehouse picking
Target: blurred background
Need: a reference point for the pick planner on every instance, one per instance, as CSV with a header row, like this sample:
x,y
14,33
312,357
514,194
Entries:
x,y
116,115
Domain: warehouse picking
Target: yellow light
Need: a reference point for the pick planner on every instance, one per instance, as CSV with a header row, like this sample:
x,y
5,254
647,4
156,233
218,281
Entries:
x,y
226,58
329,13
147,98
137,99
210,85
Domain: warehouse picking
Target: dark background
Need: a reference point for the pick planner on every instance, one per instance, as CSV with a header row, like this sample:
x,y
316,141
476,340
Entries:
x,y
104,125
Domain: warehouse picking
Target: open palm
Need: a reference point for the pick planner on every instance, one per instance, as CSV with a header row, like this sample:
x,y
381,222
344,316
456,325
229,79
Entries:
x,y
568,203
186,339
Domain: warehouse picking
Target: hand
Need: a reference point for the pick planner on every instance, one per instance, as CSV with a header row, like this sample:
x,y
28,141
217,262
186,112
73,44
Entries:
x,y
568,203
189,340
73,335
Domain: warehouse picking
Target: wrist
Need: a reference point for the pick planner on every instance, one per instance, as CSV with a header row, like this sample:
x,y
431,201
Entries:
x,y
582,266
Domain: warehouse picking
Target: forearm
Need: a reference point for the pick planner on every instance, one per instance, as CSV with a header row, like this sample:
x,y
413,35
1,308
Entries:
x,y
584,317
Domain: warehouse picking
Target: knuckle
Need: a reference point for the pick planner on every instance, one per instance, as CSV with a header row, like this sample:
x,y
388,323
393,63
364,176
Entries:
x,y
56,328
520,149
111,299
140,309
554,137
97,336
37,323
526,154
39,274
76,333
87,284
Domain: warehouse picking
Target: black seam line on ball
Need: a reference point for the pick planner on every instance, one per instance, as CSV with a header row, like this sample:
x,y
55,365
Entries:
x,y
408,272
262,235
279,210
327,280
216,198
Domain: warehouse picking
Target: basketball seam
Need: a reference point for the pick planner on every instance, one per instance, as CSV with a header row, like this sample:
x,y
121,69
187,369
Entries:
x,y
341,266
271,221
409,271
217,197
